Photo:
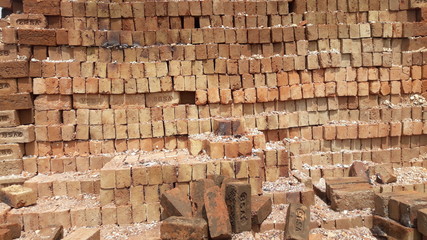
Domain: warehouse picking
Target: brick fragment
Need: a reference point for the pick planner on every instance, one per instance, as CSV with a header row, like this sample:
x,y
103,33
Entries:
x,y
385,174
184,228
359,169
51,233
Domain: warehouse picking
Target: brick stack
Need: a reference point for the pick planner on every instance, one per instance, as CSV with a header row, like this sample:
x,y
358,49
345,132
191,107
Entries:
x,y
253,90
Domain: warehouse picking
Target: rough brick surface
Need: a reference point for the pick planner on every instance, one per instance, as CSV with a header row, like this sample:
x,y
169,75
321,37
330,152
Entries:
x,y
175,228
238,200
261,207
18,196
217,214
176,203
297,222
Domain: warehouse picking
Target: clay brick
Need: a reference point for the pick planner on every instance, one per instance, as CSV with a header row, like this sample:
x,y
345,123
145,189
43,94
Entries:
x,y
45,7
183,228
217,214
238,200
176,203
84,234
297,222
261,207
197,191
37,37
17,196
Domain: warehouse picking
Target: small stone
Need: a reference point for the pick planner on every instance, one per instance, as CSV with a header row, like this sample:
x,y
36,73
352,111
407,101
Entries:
x,y
176,228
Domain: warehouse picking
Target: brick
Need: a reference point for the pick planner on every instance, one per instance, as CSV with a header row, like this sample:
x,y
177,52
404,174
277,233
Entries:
x,y
238,200
261,207
394,229
45,7
42,37
14,228
297,222
18,196
359,169
352,196
5,234
217,215
51,233
385,174
14,69
28,20
197,191
84,234
176,203
20,134
183,228
382,201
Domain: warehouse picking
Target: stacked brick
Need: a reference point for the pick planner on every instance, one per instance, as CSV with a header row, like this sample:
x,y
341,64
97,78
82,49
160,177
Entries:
x,y
337,80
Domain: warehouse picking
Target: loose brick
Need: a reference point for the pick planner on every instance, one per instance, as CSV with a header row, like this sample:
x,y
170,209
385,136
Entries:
x,y
238,200
297,222
217,214
18,196
184,228
176,203
261,207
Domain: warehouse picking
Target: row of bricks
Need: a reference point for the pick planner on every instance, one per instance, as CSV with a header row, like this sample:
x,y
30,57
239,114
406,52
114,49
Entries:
x,y
334,147
70,188
239,21
348,144
246,71
138,195
228,97
199,8
264,88
173,113
318,173
254,52
181,127
85,148
51,37
329,224
89,217
380,52
324,110
377,156
46,165
125,177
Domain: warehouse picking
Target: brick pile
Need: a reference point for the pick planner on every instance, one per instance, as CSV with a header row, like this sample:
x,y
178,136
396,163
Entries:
x,y
129,112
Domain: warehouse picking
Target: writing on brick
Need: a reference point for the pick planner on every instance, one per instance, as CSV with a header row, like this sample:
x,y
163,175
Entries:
x,y
300,218
4,53
4,85
4,118
90,101
11,134
4,152
32,22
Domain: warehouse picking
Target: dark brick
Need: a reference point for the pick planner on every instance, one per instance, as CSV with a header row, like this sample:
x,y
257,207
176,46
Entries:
x,y
261,207
175,228
297,222
394,229
197,191
238,199
217,214
176,203
359,169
